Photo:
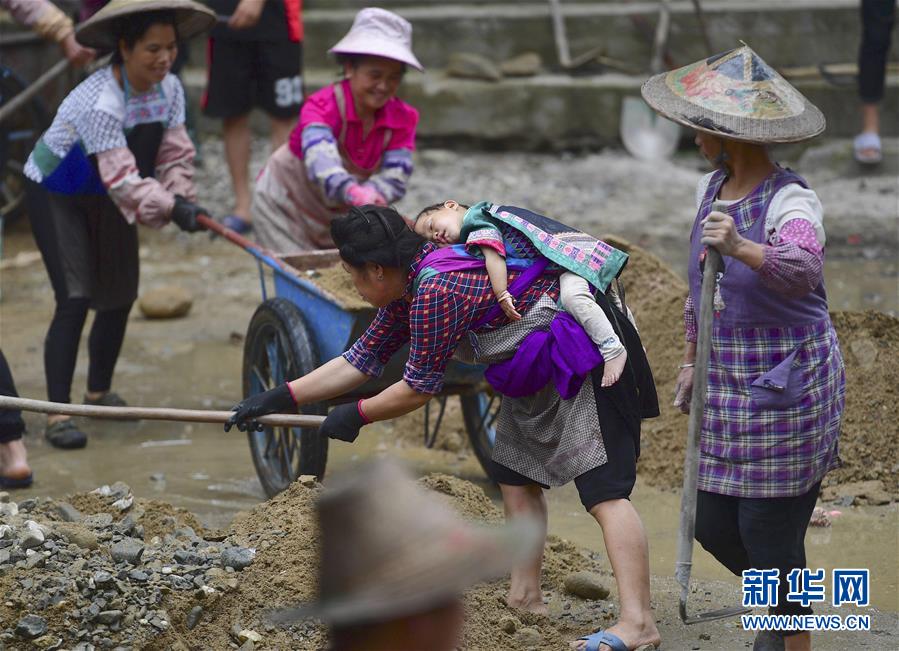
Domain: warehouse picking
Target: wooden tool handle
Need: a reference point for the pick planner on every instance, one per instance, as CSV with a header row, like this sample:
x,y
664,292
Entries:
x,y
151,413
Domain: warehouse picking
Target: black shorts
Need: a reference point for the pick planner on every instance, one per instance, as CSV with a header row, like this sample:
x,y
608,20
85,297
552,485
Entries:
x,y
247,74
611,481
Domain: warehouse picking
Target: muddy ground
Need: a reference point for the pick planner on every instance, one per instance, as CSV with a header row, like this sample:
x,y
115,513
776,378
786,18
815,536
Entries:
x,y
195,362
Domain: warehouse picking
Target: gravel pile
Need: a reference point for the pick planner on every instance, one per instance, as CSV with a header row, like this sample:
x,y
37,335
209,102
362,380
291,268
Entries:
x,y
99,581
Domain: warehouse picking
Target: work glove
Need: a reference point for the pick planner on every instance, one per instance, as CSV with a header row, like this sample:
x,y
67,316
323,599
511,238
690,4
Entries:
x,y
344,422
185,214
683,390
363,195
274,401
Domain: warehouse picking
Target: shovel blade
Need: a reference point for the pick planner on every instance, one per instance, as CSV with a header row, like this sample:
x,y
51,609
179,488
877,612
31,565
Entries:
x,y
712,615
645,134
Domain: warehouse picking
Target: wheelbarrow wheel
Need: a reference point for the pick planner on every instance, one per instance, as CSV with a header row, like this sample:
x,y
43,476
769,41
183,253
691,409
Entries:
x,y
479,411
279,348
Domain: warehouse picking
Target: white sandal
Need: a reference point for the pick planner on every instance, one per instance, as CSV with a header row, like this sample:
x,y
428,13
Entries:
x,y
867,149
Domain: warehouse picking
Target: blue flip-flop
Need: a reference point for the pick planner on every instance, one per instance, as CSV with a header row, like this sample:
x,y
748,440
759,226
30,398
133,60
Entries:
x,y
604,637
21,482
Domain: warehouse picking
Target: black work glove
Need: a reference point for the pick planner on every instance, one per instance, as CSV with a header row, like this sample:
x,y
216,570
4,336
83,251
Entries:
x,y
343,423
185,213
274,401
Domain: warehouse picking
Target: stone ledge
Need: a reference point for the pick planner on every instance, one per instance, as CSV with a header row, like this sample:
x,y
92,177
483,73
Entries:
x,y
549,111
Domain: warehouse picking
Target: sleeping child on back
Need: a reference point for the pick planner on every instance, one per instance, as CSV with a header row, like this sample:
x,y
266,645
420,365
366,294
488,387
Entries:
x,y
501,231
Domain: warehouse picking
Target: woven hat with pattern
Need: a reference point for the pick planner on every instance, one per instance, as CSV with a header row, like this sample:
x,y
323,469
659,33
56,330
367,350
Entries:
x,y
390,548
735,95
99,31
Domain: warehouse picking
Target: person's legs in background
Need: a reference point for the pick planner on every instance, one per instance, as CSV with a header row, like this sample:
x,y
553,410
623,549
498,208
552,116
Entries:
x,y
519,501
14,469
877,17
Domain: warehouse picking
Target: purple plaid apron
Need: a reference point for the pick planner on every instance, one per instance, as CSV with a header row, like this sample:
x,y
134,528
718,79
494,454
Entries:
x,y
776,380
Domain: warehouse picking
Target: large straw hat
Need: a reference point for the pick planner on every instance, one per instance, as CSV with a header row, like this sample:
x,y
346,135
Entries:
x,y
735,95
191,18
389,548
380,33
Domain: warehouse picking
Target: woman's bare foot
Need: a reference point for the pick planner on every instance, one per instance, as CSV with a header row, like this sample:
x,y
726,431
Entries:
x,y
613,368
530,603
633,636
14,460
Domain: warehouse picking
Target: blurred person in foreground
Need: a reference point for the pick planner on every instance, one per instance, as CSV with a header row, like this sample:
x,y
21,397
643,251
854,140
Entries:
x,y
771,420
47,20
254,59
353,144
116,155
878,17
395,560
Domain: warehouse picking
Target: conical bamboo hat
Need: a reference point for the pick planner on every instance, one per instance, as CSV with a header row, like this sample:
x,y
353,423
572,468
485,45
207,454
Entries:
x,y
99,31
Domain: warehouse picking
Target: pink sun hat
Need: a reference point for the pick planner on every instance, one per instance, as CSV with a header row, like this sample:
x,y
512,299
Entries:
x,y
380,33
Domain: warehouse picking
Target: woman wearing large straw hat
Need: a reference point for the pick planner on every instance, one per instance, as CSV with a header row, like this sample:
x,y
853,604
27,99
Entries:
x,y
117,154
776,384
353,144
395,560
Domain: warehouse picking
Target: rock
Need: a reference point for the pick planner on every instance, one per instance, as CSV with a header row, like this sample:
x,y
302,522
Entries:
x,y
138,576
526,638
166,302
862,492
78,535
4,497
586,585
247,646
509,624
237,557
9,509
48,642
4,556
28,505
527,64
102,577
7,531
193,617
98,521
35,560
127,550
309,481
864,350
468,65
249,634
705,636
31,626
66,512
109,616
31,536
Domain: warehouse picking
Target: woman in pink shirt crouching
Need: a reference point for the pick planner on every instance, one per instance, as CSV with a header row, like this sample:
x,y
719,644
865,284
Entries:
x,y
353,144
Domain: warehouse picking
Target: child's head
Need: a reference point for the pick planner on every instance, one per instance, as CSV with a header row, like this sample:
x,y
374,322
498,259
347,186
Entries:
x,y
441,223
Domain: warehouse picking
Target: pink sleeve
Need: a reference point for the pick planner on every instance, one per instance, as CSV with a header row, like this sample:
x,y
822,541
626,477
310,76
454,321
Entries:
x,y
143,200
689,320
42,16
794,260
319,108
175,163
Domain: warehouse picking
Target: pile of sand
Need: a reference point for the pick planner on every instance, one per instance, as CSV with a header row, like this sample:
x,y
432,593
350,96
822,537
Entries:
x,y
869,443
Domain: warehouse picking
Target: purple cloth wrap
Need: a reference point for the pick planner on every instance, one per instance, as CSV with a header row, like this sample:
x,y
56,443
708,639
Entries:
x,y
564,354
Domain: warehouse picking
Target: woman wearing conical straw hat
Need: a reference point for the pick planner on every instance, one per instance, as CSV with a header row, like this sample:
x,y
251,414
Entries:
x,y
116,155
776,382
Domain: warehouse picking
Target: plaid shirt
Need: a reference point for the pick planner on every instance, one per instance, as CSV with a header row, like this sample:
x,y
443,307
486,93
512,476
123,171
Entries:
x,y
434,318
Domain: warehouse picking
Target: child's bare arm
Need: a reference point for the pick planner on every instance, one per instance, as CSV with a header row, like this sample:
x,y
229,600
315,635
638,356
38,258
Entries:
x,y
499,281
496,270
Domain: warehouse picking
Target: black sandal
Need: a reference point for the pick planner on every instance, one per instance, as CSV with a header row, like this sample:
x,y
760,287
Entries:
x,y
65,434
